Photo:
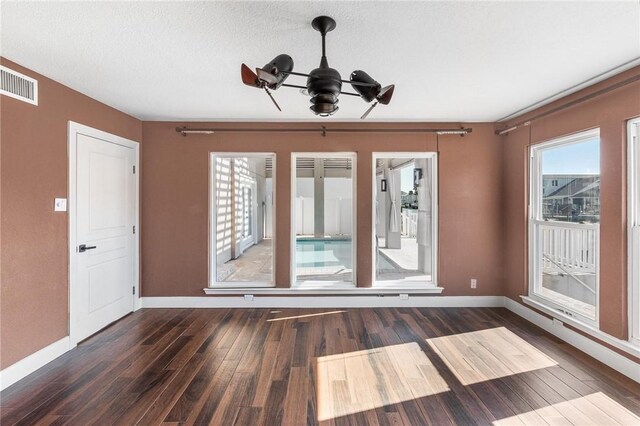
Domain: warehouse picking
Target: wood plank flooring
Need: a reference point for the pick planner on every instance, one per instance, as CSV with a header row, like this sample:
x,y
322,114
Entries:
x,y
325,366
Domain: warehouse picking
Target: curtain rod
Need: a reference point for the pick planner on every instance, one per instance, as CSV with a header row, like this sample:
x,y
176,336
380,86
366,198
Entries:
x,y
570,104
323,130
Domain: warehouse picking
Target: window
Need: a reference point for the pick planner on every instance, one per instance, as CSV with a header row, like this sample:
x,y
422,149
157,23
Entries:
x,y
241,230
323,219
633,134
564,231
404,218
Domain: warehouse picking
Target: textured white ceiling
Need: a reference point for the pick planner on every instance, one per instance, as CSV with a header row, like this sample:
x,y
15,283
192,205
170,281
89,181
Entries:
x,y
450,61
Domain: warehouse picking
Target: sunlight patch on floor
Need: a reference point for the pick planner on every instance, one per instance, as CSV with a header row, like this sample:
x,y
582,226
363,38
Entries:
x,y
304,316
594,409
364,380
484,355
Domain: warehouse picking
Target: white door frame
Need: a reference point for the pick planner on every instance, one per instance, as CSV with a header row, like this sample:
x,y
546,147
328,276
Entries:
x,y
633,221
401,284
213,202
248,240
329,285
73,130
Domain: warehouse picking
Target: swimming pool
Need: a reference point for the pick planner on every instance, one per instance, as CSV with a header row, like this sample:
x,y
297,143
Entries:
x,y
324,259
321,253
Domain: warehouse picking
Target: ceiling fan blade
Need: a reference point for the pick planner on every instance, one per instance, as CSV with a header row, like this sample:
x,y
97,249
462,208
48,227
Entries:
x,y
368,111
274,101
384,97
249,77
267,77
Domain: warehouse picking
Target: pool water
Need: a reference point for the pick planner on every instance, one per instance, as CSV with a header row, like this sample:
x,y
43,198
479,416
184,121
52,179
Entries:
x,y
311,253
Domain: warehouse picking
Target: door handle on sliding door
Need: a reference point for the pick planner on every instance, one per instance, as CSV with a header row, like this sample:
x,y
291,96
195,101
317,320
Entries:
x,y
83,247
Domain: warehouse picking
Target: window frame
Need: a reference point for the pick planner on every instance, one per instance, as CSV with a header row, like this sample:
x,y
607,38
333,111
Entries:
x,y
212,216
534,219
633,229
404,284
324,285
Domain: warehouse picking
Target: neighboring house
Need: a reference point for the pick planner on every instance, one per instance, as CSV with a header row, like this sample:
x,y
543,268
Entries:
x,y
572,198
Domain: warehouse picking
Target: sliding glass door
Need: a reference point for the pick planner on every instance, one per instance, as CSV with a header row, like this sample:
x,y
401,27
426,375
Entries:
x,y
564,230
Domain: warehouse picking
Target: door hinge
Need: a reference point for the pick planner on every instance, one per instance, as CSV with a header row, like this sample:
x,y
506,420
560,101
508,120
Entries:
x,y
134,170
134,229
134,290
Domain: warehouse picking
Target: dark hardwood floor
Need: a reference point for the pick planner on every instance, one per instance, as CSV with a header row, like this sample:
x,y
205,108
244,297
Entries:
x,y
323,366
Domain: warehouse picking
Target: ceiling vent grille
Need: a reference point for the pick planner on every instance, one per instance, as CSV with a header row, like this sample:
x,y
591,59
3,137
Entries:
x,y
18,86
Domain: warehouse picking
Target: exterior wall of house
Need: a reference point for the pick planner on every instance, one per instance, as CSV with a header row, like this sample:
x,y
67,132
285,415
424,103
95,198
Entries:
x,y
34,238
229,203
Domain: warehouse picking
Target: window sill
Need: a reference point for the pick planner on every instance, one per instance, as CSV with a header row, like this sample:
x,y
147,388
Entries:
x,y
239,286
404,285
308,290
626,346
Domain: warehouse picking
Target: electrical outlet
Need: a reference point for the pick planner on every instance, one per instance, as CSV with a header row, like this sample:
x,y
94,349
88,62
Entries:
x,y
404,296
248,297
474,283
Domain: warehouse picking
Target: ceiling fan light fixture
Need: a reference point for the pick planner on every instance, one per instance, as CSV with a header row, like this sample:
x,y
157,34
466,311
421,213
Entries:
x,y
324,109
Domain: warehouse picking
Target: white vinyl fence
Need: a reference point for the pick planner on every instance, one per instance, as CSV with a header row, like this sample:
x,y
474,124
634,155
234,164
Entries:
x,y
409,221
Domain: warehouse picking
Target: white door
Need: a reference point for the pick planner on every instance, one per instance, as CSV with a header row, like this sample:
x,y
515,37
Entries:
x,y
248,212
105,212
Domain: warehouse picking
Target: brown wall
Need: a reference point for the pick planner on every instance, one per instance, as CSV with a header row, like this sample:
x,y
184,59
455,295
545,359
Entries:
x,y
34,274
482,202
610,113
174,174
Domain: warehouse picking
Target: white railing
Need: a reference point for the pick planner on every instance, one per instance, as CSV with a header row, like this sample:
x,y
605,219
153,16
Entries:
x,y
569,247
409,223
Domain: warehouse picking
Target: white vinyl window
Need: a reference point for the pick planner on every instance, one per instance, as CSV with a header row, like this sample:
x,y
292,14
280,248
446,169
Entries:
x,y
323,220
242,192
405,219
633,134
564,225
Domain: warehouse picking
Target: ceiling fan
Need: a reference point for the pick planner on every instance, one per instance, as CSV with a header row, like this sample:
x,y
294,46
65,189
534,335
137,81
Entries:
x,y
324,84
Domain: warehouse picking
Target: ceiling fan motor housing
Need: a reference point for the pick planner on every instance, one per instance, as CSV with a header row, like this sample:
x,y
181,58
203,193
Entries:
x,y
324,85
276,66
367,93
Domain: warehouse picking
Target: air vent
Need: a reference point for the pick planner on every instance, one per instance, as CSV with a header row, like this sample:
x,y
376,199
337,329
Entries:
x,y
18,86
308,163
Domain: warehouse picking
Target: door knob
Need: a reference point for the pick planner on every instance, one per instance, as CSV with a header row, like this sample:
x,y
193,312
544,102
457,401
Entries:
x,y
83,247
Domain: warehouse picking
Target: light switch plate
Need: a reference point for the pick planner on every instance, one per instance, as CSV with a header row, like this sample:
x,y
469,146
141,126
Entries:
x,y
60,205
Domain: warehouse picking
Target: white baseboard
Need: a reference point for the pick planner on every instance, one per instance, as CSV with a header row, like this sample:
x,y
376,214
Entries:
x,y
589,346
372,301
31,363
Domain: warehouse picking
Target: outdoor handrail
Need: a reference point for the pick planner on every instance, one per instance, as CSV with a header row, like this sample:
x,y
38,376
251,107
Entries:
x,y
570,274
